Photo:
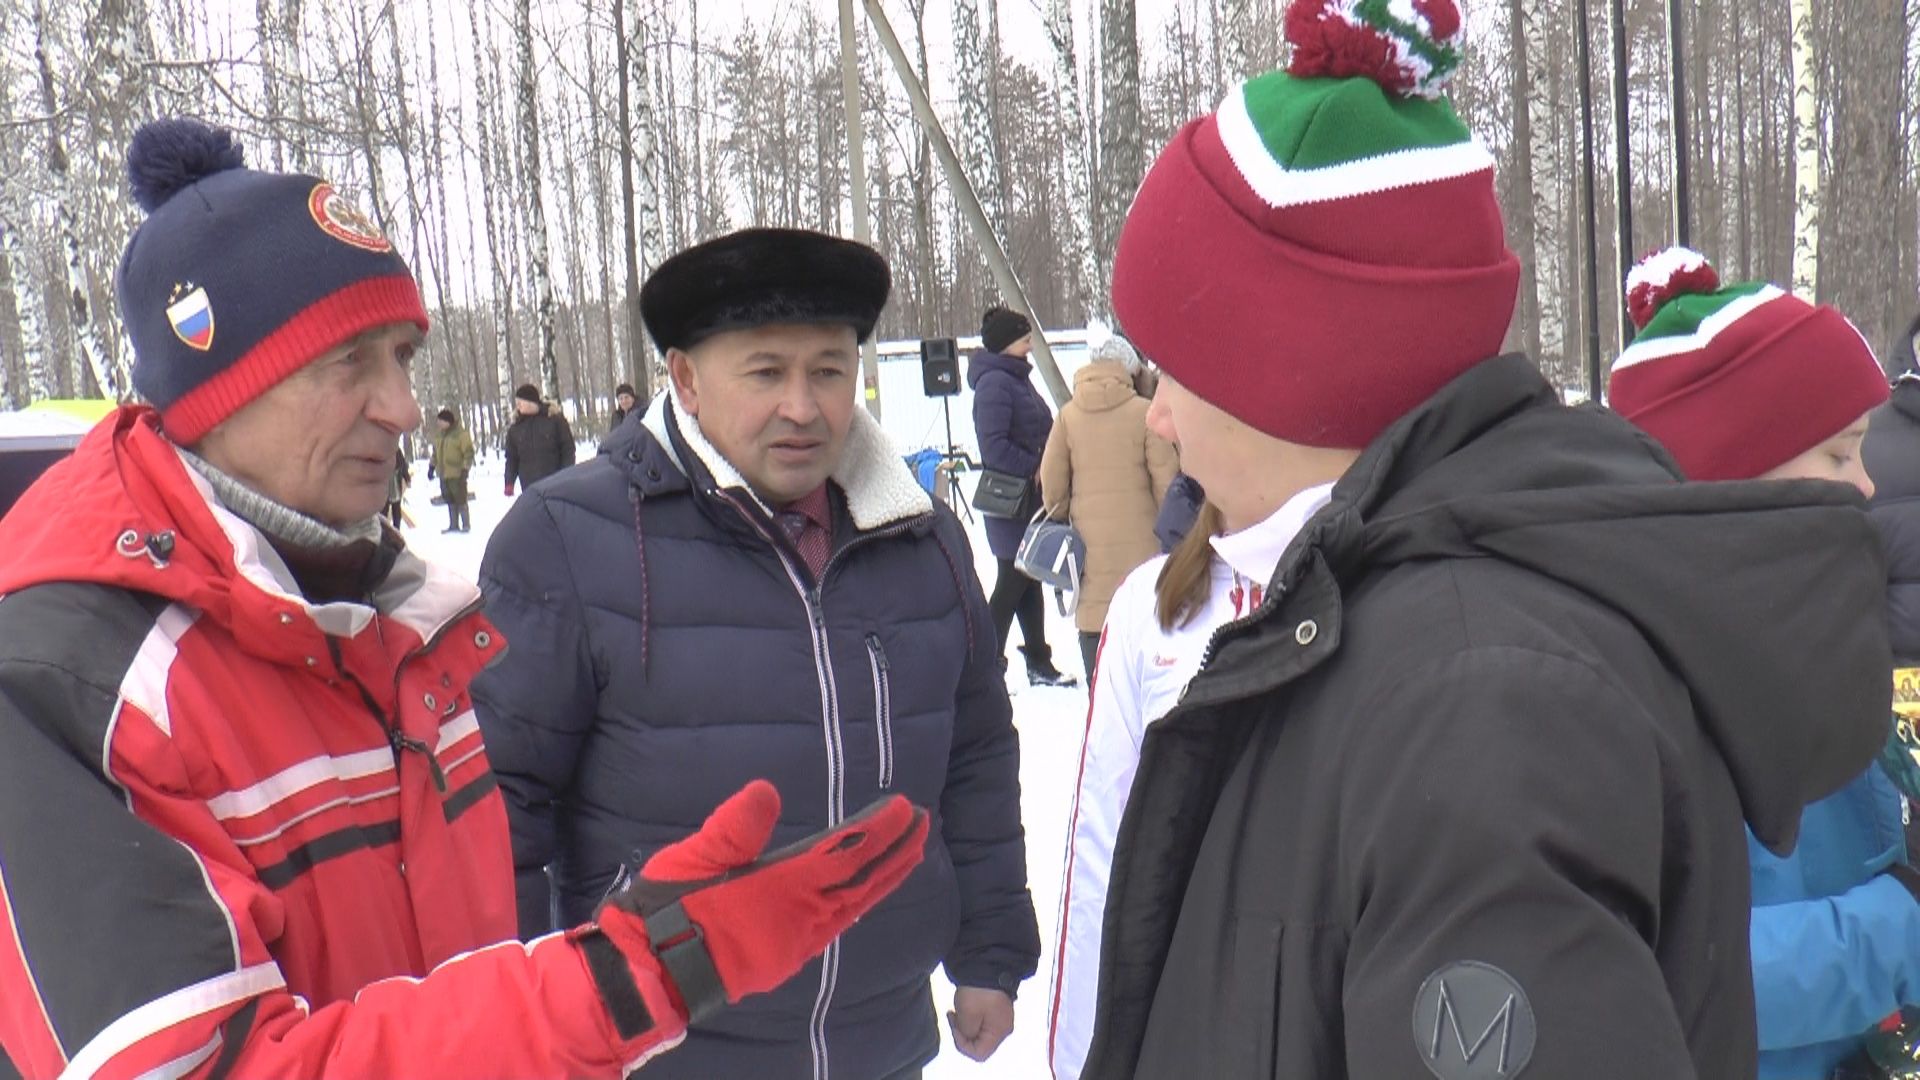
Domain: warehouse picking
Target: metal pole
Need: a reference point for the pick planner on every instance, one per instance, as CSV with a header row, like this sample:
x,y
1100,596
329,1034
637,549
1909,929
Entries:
x,y
1623,167
857,179
983,234
1682,144
1595,372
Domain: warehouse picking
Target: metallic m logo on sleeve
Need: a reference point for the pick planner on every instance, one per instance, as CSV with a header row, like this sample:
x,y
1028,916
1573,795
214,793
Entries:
x,y
1471,1021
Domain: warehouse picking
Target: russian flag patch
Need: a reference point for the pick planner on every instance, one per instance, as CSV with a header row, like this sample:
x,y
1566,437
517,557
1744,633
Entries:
x,y
191,316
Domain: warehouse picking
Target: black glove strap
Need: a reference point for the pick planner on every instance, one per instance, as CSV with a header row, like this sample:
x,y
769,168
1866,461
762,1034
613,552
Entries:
x,y
682,949
615,981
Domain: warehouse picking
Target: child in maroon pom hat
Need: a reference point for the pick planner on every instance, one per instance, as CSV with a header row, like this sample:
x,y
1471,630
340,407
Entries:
x,y
1747,381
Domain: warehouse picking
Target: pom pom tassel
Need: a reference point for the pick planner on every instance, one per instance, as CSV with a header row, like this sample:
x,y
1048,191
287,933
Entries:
x,y
1409,47
168,155
1663,275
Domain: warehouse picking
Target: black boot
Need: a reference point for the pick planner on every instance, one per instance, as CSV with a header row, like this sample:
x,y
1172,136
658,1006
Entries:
x,y
1040,669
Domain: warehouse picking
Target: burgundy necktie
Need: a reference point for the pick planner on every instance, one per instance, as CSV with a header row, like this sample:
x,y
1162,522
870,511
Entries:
x,y
807,523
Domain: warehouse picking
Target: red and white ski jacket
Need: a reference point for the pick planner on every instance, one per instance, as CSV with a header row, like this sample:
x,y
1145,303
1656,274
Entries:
x,y
1139,675
241,834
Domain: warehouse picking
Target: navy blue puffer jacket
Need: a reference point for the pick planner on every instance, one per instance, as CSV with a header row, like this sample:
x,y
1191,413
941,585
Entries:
x,y
1012,422
665,648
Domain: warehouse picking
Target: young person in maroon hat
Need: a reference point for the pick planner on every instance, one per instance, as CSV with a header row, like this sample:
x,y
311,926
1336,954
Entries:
x,y
1463,796
247,824
1745,381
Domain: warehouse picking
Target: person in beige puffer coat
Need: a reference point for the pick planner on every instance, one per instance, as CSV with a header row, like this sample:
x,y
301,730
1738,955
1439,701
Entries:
x,y
1106,473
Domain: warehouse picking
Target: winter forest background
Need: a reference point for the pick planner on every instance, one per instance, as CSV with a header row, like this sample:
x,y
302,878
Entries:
x,y
534,158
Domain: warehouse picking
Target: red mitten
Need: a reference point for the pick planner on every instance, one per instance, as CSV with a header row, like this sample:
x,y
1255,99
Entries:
x,y
726,921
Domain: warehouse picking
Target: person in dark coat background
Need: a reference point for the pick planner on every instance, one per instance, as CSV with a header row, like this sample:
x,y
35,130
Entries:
x,y
1892,456
624,399
1464,795
750,583
1178,511
539,442
397,485
1011,421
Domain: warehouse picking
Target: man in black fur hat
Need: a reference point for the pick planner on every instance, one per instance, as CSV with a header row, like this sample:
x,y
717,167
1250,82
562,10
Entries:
x,y
750,583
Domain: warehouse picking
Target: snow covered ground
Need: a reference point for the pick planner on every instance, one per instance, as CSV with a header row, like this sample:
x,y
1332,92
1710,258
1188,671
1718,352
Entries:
x,y
1050,722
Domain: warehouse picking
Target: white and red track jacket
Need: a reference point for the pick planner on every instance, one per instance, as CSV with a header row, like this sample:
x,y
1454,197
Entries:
x,y
245,835
1139,675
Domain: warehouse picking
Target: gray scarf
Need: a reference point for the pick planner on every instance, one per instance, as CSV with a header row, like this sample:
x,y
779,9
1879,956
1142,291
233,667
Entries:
x,y
277,521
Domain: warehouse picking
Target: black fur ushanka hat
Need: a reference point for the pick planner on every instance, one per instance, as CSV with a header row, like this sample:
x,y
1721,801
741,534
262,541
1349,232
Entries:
x,y
757,277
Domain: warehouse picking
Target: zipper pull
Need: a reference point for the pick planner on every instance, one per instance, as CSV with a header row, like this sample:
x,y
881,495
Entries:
x,y
402,741
879,654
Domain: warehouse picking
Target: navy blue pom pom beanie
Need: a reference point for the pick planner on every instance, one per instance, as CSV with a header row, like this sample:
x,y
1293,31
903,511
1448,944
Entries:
x,y
239,278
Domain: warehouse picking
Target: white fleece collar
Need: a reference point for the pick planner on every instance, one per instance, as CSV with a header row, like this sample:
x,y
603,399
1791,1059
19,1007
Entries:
x,y
880,489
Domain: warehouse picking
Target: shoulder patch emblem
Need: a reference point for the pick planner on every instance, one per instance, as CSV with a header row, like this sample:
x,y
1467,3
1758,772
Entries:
x,y
1472,1021
343,221
190,315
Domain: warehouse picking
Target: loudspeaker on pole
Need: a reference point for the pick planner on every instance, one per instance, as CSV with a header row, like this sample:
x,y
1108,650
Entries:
x,y
940,367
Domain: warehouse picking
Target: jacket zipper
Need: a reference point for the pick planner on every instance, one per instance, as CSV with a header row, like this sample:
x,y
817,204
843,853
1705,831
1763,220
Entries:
x,y
836,748
882,707
399,740
836,765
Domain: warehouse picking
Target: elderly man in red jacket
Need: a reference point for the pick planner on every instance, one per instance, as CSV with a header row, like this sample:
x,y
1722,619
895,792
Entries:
x,y
247,823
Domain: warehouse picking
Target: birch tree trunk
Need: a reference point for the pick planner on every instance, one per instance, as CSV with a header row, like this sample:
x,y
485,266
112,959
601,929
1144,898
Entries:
x,y
496,249
528,93
639,197
92,350
268,32
28,378
117,95
976,125
1236,29
1073,160
293,80
1543,173
923,188
26,304
1122,159
1806,153
1525,235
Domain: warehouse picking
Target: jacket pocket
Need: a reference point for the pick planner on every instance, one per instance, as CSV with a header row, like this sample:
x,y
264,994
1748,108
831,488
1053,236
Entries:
x,y
1310,1021
1252,996
882,707
1282,996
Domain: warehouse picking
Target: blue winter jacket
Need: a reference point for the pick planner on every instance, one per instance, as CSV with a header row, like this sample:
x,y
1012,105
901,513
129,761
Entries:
x,y
1011,420
1836,941
667,645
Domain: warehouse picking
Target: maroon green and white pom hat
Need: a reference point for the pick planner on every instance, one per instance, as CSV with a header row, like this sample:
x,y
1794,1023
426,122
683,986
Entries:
x,y
1736,381
1325,251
